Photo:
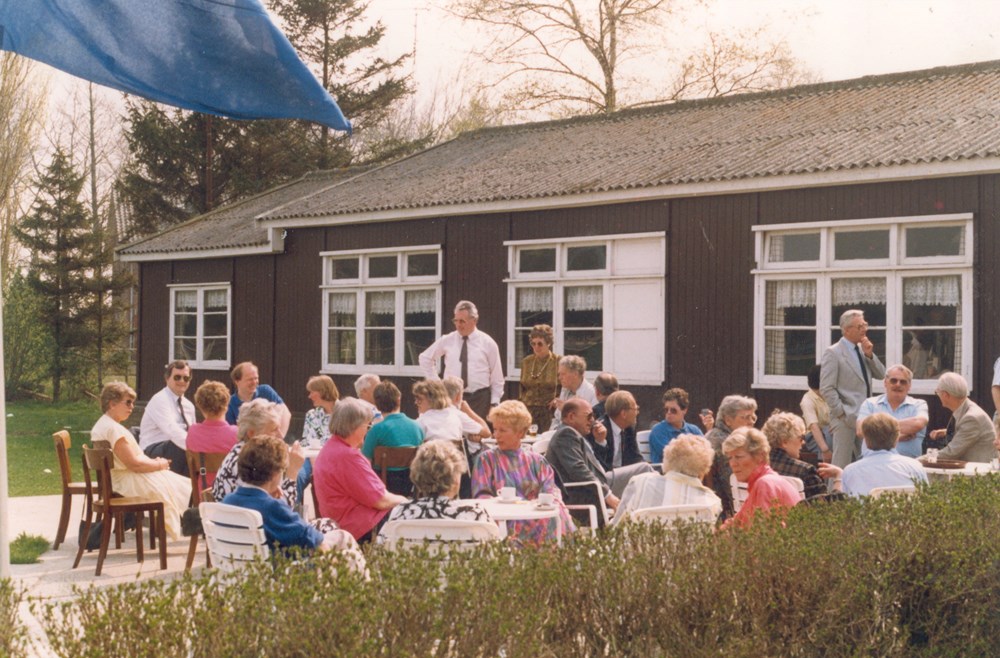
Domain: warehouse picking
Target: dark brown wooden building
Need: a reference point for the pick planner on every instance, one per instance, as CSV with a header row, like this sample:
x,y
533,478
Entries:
x,y
709,244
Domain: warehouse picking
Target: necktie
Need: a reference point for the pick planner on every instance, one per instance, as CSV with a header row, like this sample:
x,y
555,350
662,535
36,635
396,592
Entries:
x,y
180,408
864,371
950,431
463,358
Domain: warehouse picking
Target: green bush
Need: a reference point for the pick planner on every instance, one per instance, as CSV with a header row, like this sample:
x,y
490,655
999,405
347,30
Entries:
x,y
898,576
13,633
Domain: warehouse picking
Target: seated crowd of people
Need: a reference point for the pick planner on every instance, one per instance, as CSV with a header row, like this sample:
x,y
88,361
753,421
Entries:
x,y
733,469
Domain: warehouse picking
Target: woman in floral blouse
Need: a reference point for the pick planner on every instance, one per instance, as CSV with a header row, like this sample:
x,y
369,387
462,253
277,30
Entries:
x,y
323,394
508,465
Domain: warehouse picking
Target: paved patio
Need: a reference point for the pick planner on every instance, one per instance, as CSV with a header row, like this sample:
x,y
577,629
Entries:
x,y
53,578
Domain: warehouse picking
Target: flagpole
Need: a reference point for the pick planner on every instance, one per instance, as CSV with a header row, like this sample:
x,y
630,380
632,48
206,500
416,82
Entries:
x,y
4,516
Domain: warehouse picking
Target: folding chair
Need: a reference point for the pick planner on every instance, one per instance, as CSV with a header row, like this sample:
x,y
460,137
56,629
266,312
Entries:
x,y
235,535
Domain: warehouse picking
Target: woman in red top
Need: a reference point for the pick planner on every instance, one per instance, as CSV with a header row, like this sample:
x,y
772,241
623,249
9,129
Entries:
x,y
748,454
213,434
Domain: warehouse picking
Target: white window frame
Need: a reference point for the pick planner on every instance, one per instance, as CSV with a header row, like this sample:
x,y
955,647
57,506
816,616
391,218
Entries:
x,y
894,269
364,285
201,289
605,278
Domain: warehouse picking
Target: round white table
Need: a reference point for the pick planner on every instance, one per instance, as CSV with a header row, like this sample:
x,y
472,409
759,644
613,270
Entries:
x,y
970,468
519,510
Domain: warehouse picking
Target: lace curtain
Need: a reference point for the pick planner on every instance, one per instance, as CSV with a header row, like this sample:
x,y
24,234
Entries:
x,y
186,301
854,292
343,304
380,303
792,294
534,300
585,298
933,291
420,301
215,301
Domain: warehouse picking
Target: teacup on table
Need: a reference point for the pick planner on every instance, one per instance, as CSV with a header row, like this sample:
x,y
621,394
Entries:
x,y
508,493
546,500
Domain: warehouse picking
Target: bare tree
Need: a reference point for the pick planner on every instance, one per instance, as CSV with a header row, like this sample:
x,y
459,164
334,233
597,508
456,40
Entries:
x,y
21,103
731,65
566,52
592,56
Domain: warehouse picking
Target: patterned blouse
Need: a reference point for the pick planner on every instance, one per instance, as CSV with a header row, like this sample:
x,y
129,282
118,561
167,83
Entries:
x,y
316,429
529,474
436,507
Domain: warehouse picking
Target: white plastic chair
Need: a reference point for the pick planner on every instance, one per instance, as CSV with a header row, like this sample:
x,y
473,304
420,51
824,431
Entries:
x,y
437,534
541,445
905,489
798,484
668,514
642,438
740,492
595,506
235,535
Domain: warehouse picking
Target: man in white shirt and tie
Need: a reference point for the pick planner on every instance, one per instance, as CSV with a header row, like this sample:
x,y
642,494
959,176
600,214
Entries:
x,y
168,415
845,381
470,355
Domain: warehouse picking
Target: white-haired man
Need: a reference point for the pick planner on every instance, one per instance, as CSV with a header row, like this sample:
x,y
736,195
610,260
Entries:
x,y
970,431
364,386
471,355
909,411
846,372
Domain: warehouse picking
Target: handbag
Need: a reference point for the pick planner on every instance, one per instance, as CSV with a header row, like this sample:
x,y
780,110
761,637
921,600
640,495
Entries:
x,y
191,518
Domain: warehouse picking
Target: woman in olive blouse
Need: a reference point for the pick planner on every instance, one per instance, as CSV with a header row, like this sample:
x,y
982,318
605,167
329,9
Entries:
x,y
539,382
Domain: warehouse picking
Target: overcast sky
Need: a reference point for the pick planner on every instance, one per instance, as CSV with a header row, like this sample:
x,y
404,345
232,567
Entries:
x,y
836,39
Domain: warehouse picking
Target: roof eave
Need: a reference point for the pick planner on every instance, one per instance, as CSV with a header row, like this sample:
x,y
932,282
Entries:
x,y
853,176
275,245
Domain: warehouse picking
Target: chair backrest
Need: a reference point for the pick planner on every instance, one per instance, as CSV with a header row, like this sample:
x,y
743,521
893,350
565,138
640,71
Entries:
x,y
740,492
798,484
235,535
63,444
668,514
386,458
438,534
542,444
587,493
213,462
100,461
642,438
905,489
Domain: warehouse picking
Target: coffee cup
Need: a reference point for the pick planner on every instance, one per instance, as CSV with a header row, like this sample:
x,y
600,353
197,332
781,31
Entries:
x,y
546,499
508,493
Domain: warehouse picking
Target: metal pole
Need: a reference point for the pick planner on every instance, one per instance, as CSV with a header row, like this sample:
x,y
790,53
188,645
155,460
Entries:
x,y
4,516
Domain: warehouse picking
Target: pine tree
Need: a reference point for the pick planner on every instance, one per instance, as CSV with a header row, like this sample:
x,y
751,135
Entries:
x,y
69,270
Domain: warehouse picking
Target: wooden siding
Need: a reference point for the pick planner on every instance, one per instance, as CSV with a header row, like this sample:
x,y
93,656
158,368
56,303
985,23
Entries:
x,y
709,304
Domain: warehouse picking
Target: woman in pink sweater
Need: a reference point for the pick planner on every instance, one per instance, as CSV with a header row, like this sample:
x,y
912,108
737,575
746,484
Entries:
x,y
749,456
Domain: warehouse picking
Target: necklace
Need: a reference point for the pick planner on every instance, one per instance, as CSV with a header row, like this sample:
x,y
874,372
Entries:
x,y
545,364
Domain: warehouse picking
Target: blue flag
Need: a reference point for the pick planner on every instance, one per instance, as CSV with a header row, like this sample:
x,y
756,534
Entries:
x,y
221,57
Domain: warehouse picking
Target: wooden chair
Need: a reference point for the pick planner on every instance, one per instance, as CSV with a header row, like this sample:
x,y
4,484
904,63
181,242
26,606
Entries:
x,y
112,510
63,444
235,535
201,492
438,534
386,458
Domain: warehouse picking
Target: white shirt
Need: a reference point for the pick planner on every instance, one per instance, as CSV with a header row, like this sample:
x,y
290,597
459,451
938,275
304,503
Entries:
x,y
616,432
485,370
672,488
584,392
449,423
162,420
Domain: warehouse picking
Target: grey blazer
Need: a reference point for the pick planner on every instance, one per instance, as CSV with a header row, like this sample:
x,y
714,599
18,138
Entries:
x,y
973,438
573,460
840,381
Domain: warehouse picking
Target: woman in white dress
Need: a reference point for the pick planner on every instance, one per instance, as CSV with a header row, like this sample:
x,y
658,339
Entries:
x,y
133,473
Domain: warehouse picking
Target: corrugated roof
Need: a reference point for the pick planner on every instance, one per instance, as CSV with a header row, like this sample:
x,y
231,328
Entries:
x,y
880,121
920,117
233,226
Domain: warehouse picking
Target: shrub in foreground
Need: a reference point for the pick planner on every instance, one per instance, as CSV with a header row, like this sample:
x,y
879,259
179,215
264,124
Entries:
x,y
898,576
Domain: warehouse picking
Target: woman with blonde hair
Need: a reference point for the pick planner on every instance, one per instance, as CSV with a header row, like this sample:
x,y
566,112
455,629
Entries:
x,y
748,453
133,473
686,460
508,465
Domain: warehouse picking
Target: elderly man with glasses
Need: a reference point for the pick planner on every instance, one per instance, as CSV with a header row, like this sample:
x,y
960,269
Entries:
x,y
896,401
970,433
168,415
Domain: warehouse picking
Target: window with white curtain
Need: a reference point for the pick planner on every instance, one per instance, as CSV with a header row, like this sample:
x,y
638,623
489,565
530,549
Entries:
x,y
380,309
200,325
912,277
602,296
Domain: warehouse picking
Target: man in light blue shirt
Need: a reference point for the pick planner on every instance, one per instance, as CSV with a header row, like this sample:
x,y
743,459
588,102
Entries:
x,y
909,411
882,466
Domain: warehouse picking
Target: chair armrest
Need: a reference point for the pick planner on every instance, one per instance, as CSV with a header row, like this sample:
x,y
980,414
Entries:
x,y
591,514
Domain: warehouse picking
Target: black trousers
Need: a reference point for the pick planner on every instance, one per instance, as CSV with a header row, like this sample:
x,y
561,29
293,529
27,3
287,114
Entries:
x,y
169,450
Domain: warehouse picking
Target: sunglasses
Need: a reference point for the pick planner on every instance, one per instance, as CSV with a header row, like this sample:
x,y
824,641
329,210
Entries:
x,y
129,403
182,378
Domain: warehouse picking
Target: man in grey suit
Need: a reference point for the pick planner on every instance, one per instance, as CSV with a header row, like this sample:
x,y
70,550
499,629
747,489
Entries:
x,y
970,431
845,381
574,460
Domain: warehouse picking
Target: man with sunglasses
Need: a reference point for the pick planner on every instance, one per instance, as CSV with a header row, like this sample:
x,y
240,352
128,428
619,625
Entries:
x,y
896,401
168,415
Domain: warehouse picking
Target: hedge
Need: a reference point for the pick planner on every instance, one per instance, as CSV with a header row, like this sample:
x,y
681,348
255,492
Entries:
x,y
898,576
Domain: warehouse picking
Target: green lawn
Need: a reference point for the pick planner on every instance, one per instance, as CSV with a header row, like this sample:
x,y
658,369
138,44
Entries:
x,y
31,457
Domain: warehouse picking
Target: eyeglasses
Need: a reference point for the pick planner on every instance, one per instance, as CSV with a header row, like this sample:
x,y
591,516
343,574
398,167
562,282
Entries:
x,y
747,416
538,343
182,378
129,403
671,410
894,381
